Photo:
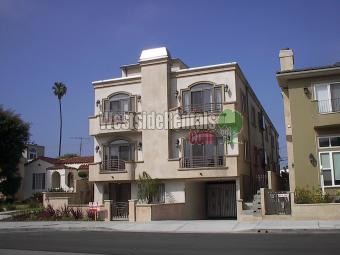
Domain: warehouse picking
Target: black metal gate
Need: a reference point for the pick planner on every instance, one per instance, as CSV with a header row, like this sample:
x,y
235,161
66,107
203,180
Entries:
x,y
277,202
221,200
120,210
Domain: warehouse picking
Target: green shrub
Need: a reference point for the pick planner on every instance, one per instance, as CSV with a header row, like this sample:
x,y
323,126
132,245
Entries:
x,y
311,196
82,175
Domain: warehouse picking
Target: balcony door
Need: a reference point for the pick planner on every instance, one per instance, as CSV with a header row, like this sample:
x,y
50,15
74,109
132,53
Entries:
x,y
117,153
204,155
328,96
119,106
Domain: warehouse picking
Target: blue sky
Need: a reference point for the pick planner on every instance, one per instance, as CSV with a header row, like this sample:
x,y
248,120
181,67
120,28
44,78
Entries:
x,y
77,42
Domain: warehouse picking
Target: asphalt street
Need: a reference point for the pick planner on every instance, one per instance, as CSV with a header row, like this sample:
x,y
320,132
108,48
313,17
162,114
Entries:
x,y
107,242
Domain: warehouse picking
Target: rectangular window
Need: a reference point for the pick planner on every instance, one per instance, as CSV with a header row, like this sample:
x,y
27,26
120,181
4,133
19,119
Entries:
x,y
38,181
243,103
159,197
330,167
329,141
328,97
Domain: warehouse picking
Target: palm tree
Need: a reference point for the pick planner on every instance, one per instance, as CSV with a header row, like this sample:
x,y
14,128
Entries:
x,y
59,90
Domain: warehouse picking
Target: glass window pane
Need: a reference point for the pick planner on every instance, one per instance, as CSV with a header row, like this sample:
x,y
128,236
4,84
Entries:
x,y
186,101
196,101
323,142
125,105
207,100
335,96
336,167
321,94
218,98
325,162
327,177
115,106
335,141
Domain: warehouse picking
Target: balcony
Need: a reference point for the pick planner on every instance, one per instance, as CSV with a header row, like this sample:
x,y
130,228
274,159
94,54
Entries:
x,y
109,122
202,162
202,108
326,113
112,170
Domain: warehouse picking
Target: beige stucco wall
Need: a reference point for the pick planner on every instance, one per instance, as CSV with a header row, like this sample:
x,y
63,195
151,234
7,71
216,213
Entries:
x,y
316,212
157,83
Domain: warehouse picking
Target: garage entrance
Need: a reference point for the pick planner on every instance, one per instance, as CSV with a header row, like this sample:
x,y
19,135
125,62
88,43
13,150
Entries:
x,y
221,200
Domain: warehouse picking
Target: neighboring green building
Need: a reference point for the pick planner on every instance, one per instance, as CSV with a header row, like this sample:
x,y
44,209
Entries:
x,y
312,120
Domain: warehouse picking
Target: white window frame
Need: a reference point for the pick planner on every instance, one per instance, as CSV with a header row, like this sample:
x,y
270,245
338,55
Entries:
x,y
329,139
328,84
330,153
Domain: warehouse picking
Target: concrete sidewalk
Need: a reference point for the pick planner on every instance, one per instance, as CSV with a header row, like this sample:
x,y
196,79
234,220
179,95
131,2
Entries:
x,y
195,226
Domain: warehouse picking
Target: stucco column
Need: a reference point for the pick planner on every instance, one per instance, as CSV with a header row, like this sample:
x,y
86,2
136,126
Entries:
x,y
107,207
132,210
263,203
239,209
98,192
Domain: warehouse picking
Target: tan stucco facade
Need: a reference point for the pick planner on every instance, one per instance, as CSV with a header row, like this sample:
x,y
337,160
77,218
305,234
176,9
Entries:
x,y
157,86
304,123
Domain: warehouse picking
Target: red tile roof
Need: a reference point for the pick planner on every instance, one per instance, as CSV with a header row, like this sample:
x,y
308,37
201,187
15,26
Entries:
x,y
60,166
46,159
76,160
83,167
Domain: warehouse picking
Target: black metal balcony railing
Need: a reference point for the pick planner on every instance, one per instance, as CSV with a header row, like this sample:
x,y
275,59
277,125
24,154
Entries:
x,y
329,105
205,161
202,108
114,117
112,165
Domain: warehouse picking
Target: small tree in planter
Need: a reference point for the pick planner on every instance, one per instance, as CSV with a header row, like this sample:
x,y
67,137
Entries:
x,y
147,188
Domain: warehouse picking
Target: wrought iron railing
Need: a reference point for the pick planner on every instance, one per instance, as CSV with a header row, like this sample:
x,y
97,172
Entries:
x,y
206,161
329,105
112,165
202,108
119,210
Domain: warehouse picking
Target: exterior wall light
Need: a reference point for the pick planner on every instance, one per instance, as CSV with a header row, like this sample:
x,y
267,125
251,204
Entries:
x,y
177,143
306,91
312,159
98,103
226,88
139,146
97,148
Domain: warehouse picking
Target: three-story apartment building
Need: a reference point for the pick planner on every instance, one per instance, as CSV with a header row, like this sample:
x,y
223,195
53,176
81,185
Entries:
x,y
312,118
160,117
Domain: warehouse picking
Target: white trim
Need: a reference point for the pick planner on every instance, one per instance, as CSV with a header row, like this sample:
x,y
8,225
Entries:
x,y
330,153
205,67
116,79
329,139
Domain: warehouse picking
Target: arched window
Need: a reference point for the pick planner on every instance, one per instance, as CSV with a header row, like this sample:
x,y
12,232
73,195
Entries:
x,y
202,97
116,153
55,180
119,103
70,180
